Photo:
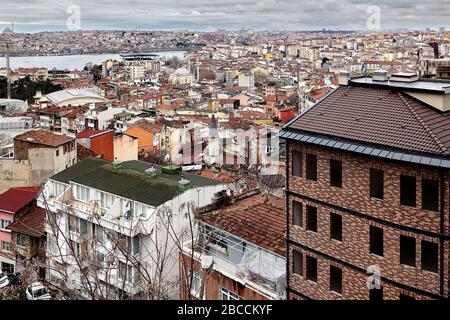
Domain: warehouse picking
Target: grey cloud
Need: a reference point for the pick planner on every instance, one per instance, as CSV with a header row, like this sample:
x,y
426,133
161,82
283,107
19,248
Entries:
x,y
207,14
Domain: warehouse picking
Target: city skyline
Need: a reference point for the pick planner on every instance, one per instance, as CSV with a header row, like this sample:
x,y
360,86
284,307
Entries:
x,y
200,15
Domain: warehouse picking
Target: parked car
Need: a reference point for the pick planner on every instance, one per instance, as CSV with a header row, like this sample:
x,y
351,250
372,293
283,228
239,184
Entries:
x,y
12,278
4,281
37,291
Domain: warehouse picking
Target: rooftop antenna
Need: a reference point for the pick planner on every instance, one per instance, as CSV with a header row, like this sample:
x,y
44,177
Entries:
x,y
8,78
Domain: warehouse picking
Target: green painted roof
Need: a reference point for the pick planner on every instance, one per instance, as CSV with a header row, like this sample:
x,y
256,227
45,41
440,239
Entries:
x,y
130,181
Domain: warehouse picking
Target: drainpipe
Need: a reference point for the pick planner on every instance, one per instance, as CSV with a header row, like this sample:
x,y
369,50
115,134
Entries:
x,y
287,219
442,231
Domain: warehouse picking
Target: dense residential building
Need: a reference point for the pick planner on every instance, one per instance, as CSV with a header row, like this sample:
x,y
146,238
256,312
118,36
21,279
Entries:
x,y
14,203
239,252
368,192
123,221
38,154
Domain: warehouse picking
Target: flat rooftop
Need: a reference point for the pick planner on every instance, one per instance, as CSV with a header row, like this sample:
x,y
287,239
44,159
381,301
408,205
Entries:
x,y
130,182
420,85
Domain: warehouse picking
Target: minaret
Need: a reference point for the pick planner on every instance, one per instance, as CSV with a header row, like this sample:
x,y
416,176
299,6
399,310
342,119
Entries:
x,y
8,78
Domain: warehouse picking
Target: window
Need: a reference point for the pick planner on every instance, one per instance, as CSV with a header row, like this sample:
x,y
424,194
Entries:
x,y
407,251
136,245
107,200
196,285
429,256
376,245
57,152
335,279
74,224
21,239
4,224
298,213
7,268
336,226
405,297
336,173
83,226
75,247
311,167
408,191
98,232
141,210
298,262
297,163
311,268
376,294
311,218
82,193
6,246
125,272
226,294
430,195
376,183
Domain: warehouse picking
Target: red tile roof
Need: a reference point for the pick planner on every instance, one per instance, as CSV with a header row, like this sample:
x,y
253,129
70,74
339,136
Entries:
x,y
32,223
379,116
254,219
15,199
43,137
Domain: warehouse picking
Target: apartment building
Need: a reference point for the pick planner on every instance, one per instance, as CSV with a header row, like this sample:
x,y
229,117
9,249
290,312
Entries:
x,y
114,228
15,202
368,171
37,155
239,252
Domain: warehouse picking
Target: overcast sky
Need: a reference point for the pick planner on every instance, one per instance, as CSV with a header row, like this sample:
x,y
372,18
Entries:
x,y
38,15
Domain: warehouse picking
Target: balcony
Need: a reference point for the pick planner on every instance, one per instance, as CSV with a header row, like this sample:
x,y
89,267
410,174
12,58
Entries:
x,y
260,270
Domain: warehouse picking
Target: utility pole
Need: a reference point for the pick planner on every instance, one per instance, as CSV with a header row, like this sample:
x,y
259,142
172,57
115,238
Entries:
x,y
8,79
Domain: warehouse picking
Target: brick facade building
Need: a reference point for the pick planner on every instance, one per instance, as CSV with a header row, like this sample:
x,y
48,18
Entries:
x,y
368,176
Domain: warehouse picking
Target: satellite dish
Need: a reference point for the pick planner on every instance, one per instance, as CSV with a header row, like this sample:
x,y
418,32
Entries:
x,y
167,158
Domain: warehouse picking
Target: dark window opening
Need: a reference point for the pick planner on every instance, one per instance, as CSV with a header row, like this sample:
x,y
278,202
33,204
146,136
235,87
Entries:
x,y
298,213
376,183
336,226
336,173
311,218
311,167
408,191
335,279
297,163
405,297
376,294
430,195
429,256
376,241
298,263
311,268
407,250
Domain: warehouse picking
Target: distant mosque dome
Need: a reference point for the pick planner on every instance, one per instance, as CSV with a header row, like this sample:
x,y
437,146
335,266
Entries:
x,y
7,31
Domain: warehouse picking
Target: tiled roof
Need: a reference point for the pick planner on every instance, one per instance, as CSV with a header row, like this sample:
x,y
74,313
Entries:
x,y
379,116
254,219
88,133
43,137
15,199
32,223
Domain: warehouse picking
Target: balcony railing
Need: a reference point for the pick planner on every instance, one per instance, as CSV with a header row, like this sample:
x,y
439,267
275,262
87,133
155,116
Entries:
x,y
261,270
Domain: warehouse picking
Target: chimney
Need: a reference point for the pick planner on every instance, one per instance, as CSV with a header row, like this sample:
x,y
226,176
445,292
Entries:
x,y
380,75
151,173
344,77
184,184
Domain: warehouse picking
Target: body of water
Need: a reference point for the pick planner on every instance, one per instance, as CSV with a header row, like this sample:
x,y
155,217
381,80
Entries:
x,y
74,61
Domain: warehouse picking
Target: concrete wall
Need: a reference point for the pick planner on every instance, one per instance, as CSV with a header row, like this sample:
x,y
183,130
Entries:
x,y
125,148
